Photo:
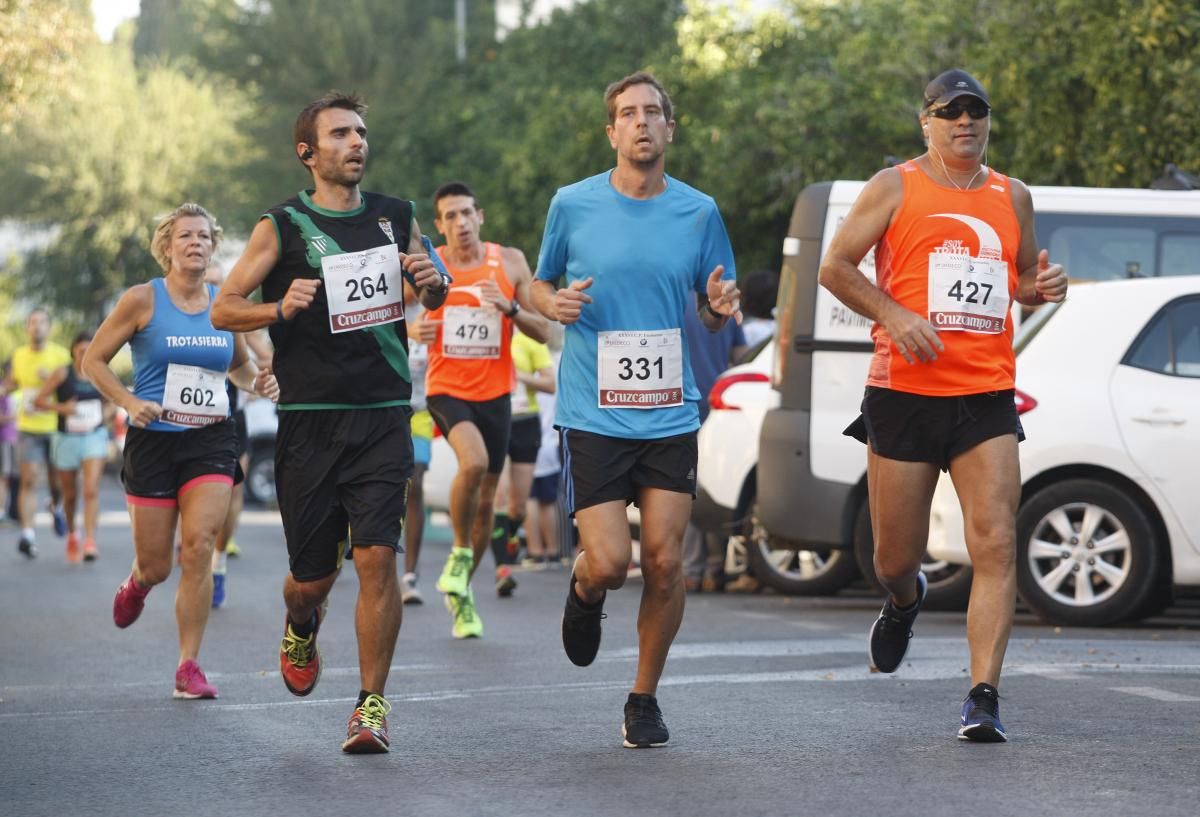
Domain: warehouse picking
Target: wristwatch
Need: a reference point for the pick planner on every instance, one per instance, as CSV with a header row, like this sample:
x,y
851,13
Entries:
x,y
516,307
445,284
713,312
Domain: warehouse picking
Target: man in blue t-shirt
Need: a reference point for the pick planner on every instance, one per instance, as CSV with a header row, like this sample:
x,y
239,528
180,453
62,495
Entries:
x,y
633,245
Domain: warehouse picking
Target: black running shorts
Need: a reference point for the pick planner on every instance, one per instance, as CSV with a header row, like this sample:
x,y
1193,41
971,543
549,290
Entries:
x,y
918,428
525,438
491,417
159,465
601,469
341,473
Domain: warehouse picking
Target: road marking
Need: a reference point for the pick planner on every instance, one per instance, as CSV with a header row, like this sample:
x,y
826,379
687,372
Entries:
x,y
915,670
1157,694
799,624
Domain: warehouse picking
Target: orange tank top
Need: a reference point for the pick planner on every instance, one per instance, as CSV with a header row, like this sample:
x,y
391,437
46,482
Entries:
x,y
951,256
471,358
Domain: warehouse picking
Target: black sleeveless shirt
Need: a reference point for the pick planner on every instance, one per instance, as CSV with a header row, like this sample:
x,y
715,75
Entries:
x,y
317,368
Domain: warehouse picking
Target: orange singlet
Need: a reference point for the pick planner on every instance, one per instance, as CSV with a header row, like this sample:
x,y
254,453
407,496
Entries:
x,y
951,256
471,358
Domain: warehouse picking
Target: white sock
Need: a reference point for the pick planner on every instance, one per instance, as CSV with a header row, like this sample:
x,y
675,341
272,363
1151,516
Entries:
x,y
218,561
27,533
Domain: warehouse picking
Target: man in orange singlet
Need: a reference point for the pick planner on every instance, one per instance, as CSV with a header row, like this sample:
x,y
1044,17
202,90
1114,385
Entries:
x,y
954,246
470,380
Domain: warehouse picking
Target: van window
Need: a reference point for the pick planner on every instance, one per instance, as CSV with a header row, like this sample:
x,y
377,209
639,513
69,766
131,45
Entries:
x,y
1185,327
1114,247
1180,255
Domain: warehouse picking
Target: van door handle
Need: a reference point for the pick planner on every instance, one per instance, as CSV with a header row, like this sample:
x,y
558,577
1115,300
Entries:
x,y
1161,420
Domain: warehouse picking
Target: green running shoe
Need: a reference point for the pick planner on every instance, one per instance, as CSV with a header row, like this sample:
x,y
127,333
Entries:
x,y
467,623
457,571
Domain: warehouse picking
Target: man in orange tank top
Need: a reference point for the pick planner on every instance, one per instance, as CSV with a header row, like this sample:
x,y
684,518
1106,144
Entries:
x,y
955,244
470,381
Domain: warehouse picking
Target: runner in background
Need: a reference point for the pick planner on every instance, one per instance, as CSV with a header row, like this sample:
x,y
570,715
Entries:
x,y
535,375
259,348
32,365
80,445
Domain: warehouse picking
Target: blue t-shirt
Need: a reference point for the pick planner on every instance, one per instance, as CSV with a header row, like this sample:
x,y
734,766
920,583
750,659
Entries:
x,y
647,259
710,353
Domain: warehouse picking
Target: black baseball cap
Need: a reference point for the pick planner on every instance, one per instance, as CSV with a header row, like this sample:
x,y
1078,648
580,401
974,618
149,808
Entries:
x,y
950,85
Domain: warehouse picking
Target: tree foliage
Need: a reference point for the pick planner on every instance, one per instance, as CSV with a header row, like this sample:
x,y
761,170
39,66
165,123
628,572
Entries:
x,y
113,152
38,39
1092,92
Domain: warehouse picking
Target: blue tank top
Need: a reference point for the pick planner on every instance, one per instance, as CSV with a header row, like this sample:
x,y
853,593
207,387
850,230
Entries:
x,y
175,336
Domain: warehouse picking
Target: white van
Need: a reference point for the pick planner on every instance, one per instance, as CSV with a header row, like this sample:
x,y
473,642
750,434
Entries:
x,y
811,480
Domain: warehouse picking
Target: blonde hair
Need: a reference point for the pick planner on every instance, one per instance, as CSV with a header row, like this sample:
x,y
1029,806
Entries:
x,y
160,245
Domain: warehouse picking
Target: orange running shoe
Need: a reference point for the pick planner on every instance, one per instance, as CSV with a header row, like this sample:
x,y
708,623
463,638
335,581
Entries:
x,y
367,731
299,658
73,552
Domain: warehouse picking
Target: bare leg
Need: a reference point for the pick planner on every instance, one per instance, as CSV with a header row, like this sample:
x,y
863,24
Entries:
x,y
481,532
987,479
533,530
548,511
377,615
93,470
202,510
664,518
69,486
900,495
468,447
27,500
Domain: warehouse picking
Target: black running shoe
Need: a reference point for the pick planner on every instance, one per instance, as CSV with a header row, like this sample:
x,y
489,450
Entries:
x,y
891,632
644,727
581,627
981,716
27,548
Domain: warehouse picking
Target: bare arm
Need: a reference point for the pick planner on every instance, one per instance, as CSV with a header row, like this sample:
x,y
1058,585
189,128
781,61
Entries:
x,y
132,312
863,228
233,309
529,320
542,380
1038,280
44,400
562,305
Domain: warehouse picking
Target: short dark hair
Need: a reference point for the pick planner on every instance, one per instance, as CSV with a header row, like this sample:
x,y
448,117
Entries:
x,y
452,189
760,289
85,336
305,129
615,89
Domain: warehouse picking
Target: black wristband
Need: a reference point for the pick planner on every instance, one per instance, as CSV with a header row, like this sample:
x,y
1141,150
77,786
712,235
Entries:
x,y
513,309
279,311
713,312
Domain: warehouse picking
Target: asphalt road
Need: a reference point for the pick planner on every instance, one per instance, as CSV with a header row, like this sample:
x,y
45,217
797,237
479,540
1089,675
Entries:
x,y
770,704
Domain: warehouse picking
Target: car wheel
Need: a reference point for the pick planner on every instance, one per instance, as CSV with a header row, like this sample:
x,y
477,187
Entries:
x,y
795,572
260,476
1086,554
949,585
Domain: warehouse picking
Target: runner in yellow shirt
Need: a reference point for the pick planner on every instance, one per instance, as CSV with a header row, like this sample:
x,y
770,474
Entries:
x,y
32,366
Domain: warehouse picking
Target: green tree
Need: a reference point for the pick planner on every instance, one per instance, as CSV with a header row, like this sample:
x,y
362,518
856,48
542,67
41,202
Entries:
x,y
38,43
115,149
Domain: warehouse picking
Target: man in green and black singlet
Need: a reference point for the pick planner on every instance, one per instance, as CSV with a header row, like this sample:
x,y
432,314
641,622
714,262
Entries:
x,y
332,262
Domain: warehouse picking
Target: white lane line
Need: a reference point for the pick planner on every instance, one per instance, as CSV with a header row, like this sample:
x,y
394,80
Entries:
x,y
1157,694
912,671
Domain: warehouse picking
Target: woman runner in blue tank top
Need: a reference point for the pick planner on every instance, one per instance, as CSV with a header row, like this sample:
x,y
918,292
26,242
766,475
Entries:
x,y
180,459
80,444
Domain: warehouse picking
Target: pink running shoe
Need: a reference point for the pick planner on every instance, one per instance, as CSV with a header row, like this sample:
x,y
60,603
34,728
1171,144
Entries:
x,y
128,603
190,682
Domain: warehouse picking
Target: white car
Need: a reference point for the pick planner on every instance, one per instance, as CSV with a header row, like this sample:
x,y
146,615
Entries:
x,y
1109,394
726,483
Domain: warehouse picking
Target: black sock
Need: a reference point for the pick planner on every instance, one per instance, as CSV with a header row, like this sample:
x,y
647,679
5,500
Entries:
x,y
306,629
499,540
362,697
